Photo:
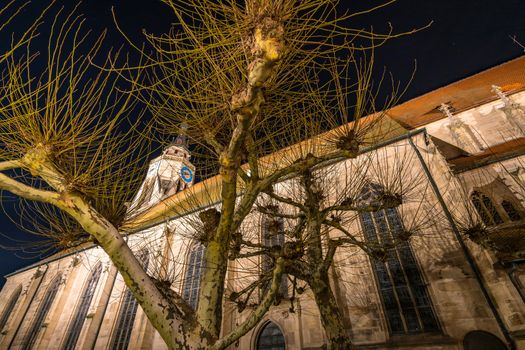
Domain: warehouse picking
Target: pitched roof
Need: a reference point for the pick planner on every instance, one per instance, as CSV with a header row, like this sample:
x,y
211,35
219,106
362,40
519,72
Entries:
x,y
461,95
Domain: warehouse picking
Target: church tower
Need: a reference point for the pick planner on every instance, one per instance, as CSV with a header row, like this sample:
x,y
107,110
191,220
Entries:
x,y
168,174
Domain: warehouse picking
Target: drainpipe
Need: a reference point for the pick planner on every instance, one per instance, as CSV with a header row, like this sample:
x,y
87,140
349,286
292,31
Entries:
x,y
300,323
28,306
466,252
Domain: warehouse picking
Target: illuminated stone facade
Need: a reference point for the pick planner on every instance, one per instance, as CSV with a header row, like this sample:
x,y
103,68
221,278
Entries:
x,y
461,294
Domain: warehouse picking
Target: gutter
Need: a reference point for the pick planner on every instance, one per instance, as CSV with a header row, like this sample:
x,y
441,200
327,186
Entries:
x,y
48,261
470,259
490,160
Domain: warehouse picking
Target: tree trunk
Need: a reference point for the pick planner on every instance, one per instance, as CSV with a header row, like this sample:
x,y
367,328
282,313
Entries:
x,y
331,317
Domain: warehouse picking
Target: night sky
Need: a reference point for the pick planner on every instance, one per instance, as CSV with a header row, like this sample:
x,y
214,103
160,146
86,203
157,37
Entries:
x,y
466,37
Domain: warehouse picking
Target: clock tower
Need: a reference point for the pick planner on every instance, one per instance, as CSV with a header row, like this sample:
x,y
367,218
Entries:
x,y
168,174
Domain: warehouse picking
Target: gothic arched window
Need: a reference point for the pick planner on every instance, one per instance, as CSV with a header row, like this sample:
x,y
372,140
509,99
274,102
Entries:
x,y
192,279
404,294
127,312
486,209
82,308
41,313
272,235
511,211
271,338
10,307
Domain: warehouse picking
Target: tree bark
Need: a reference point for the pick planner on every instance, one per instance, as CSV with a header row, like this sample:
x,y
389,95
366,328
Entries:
x,y
318,280
266,48
331,316
169,315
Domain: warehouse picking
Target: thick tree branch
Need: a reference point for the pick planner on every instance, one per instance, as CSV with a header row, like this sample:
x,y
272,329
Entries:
x,y
10,164
258,313
153,302
329,209
268,42
253,160
285,200
350,239
265,211
28,192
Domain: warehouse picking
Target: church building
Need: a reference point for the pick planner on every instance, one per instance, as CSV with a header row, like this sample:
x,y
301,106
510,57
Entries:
x,y
444,288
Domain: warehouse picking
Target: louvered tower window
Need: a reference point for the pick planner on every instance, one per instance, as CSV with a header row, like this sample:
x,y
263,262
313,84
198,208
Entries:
x,y
127,312
192,279
34,330
10,307
404,294
82,309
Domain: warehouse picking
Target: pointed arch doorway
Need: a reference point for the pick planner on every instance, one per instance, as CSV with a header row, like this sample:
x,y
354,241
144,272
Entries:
x,y
480,340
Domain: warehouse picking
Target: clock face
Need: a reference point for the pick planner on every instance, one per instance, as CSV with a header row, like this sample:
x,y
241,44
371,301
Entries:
x,y
186,174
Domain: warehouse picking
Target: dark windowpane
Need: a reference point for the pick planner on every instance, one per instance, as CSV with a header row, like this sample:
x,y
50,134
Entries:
x,y
192,280
487,220
513,214
486,209
368,227
271,338
404,295
428,318
412,323
395,322
33,331
9,307
82,309
491,209
127,312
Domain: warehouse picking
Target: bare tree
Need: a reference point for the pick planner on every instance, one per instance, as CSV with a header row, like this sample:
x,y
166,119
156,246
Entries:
x,y
310,217
247,79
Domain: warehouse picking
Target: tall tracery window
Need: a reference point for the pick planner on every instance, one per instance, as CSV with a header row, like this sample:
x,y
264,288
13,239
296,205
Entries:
x,y
82,308
404,294
486,209
34,330
271,338
127,312
272,235
10,307
192,279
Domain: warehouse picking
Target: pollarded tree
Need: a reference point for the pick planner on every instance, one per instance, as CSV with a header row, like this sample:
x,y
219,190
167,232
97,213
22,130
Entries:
x,y
65,138
309,218
247,78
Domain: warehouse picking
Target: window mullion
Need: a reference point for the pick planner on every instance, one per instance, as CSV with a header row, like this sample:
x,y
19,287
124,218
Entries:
x,y
402,264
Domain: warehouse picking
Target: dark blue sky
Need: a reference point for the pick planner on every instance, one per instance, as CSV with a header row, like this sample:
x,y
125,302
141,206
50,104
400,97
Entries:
x,y
466,37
